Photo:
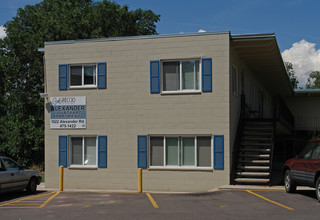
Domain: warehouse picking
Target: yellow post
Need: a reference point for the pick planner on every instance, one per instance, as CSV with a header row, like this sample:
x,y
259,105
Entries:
x,y
140,180
61,178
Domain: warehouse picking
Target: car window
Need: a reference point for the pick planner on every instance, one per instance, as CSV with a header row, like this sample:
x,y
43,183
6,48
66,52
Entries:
x,y
306,153
316,152
10,165
2,168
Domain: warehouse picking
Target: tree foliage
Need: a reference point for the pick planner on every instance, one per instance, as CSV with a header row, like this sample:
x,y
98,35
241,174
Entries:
x,y
21,65
313,80
291,74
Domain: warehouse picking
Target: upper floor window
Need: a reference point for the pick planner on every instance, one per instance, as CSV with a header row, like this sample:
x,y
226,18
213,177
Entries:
x,y
181,75
83,75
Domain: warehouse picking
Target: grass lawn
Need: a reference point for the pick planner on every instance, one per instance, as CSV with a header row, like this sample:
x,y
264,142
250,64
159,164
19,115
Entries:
x,y
42,175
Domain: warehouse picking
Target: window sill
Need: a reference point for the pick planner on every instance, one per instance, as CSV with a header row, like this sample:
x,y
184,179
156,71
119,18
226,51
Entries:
x,y
207,169
83,87
82,168
181,92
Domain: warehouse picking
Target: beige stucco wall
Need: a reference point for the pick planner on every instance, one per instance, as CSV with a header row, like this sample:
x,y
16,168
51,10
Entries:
x,y
127,109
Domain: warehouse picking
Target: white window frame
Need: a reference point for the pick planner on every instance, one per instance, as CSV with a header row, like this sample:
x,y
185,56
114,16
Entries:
x,y
181,90
82,76
180,152
235,80
70,152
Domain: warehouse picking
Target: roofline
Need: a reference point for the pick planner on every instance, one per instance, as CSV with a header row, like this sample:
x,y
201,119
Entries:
x,y
243,37
306,91
135,37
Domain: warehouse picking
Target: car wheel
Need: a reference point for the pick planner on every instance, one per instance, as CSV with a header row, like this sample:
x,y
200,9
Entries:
x,y
318,189
289,184
32,185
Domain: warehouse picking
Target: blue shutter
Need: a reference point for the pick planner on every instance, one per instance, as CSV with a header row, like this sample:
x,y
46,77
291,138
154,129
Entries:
x,y
218,151
102,151
142,151
154,76
102,75
63,76
63,150
206,75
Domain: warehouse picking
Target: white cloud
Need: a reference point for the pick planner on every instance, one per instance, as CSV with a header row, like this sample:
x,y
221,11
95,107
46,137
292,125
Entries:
x,y
305,58
201,31
2,32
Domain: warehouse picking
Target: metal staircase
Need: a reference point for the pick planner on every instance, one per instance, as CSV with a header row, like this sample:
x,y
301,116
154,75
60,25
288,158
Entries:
x,y
254,158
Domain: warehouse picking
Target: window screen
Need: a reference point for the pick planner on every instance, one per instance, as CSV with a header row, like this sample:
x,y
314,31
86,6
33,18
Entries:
x,y
171,76
172,151
188,151
76,75
204,151
156,149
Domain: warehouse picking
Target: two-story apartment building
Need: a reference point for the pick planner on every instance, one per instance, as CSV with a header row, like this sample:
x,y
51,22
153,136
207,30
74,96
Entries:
x,y
195,111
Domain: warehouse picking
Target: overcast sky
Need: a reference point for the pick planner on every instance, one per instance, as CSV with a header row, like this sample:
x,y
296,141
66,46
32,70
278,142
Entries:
x,y
295,22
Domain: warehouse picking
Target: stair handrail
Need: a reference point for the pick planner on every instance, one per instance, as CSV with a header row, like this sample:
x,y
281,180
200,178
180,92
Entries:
x,y
236,146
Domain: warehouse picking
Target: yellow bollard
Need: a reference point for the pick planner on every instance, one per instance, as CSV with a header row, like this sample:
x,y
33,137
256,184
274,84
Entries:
x,y
61,178
140,180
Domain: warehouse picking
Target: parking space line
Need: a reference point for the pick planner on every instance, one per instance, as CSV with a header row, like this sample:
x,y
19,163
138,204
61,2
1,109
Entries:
x,y
155,205
46,202
283,206
30,202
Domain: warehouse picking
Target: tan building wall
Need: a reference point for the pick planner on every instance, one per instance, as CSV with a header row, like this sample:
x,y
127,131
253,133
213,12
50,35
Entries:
x,y
127,109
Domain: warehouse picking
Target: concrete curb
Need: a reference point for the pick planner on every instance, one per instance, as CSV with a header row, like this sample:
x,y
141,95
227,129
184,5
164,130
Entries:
x,y
224,187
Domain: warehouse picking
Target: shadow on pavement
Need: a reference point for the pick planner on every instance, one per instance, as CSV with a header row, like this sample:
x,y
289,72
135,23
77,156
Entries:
x,y
309,193
17,195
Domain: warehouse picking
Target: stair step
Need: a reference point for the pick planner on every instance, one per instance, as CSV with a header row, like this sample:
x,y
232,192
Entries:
x,y
255,139
253,173
251,180
254,161
255,150
264,121
247,168
250,128
258,123
256,134
266,156
255,144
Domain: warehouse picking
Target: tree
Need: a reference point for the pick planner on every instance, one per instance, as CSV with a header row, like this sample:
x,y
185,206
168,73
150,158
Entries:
x,y
313,80
291,74
21,65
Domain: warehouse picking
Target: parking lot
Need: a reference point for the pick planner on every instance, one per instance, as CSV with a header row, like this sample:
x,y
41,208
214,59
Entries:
x,y
221,204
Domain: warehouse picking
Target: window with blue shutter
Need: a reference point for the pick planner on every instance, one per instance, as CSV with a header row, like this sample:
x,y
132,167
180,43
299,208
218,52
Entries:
x,y
102,151
63,150
63,76
102,75
142,151
206,75
218,153
154,76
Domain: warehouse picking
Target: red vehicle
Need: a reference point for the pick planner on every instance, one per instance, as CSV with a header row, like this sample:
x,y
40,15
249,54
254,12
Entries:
x,y
305,169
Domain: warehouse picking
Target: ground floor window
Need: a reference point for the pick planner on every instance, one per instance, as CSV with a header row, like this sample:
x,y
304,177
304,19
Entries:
x,y
83,151
167,151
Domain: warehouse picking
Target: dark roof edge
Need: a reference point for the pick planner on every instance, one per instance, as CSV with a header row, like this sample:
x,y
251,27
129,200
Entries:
x,y
135,37
302,91
240,37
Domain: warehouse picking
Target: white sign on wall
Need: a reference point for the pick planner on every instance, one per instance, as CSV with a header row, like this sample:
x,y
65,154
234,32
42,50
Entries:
x,y
68,112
